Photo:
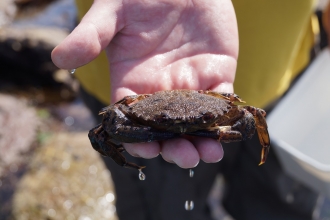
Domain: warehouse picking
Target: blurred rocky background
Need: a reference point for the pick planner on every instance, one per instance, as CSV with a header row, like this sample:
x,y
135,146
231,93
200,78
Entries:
x,y
48,169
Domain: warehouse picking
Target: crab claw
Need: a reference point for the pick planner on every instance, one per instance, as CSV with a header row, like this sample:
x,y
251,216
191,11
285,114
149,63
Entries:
x,y
264,153
262,134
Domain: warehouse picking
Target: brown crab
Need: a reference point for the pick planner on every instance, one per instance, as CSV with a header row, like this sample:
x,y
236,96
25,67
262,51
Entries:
x,y
169,114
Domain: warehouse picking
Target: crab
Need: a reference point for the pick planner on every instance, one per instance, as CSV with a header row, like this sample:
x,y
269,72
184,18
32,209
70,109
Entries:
x,y
173,113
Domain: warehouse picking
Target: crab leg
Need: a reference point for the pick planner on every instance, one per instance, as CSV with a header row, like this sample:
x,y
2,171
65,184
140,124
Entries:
x,y
100,142
263,136
109,143
220,133
222,95
262,130
138,134
127,100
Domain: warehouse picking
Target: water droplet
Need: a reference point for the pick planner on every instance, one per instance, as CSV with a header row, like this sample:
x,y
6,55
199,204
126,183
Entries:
x,y
69,121
191,172
110,197
142,176
68,204
189,205
72,71
51,212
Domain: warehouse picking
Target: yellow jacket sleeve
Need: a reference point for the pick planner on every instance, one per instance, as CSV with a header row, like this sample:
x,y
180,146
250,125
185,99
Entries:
x,y
275,41
94,77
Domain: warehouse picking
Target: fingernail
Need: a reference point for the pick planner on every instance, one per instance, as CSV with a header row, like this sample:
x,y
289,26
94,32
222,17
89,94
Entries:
x,y
169,161
135,155
196,164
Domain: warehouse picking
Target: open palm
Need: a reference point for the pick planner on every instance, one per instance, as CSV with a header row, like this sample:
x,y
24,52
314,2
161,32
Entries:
x,y
157,45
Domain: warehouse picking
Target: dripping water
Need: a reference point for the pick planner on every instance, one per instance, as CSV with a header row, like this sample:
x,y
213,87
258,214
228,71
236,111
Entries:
x,y
142,176
189,205
72,71
191,172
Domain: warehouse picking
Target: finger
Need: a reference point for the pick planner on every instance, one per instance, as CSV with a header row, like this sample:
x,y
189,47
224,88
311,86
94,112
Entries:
x,y
144,150
224,87
181,152
210,151
90,37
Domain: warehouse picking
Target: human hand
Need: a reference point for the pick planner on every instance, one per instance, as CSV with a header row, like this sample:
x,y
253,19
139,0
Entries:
x,y
160,45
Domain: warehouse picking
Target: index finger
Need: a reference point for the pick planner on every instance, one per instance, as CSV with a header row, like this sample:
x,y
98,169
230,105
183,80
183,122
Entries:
x,y
90,37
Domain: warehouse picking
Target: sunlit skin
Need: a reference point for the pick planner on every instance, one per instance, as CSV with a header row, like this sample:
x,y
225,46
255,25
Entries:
x,y
160,45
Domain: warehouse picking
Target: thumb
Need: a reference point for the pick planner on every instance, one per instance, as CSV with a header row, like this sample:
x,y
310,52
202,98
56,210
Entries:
x,y
90,37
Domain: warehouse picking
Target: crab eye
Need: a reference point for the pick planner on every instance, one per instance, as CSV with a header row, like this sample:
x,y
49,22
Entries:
x,y
161,118
207,116
263,112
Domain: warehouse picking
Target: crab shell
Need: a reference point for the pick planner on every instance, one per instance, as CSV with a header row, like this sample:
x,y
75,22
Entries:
x,y
179,111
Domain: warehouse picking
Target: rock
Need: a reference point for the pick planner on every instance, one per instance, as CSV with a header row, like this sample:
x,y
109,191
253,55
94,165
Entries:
x,y
28,33
7,12
25,63
25,55
18,130
66,180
